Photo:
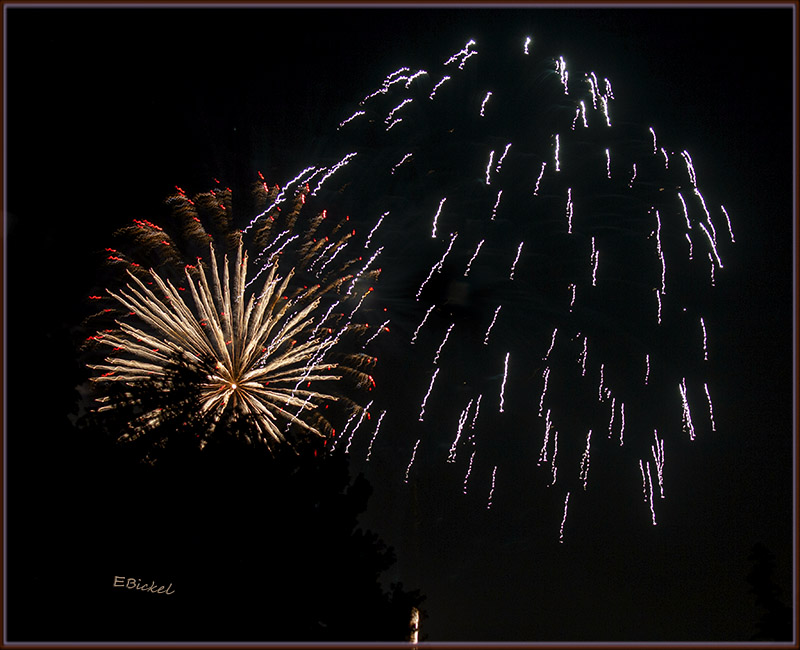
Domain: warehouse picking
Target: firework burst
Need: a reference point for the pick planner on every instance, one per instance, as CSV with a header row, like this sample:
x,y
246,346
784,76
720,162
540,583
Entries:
x,y
268,350
544,254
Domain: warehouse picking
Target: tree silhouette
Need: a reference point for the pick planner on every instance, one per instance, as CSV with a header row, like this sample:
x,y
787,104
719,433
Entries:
x,y
775,622
256,545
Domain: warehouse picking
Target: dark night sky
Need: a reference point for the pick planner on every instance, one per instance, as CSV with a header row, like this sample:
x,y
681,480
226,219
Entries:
x,y
108,110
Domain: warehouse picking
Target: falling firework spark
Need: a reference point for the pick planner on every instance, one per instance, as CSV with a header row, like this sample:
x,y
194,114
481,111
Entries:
x,y
375,435
658,457
563,519
474,255
584,474
461,422
416,332
503,385
491,325
444,340
710,408
469,471
491,490
413,458
427,395
516,259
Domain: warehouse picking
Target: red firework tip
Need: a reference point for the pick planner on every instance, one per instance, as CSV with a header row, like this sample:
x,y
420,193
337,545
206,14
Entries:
x,y
261,176
303,199
180,190
369,417
184,289
277,187
165,242
95,297
347,217
372,379
216,181
315,453
386,329
142,223
354,231
308,384
110,250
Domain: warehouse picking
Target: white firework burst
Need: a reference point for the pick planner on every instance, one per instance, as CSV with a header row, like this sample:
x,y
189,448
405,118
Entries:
x,y
264,356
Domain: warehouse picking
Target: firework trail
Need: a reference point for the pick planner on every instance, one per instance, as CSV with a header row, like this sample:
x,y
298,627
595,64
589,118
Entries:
x,y
264,363
576,188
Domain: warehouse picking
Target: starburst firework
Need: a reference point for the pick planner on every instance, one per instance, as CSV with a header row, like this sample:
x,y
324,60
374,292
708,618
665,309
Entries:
x,y
265,351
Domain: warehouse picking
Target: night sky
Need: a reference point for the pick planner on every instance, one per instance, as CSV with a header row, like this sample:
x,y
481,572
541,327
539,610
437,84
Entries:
x,y
107,110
